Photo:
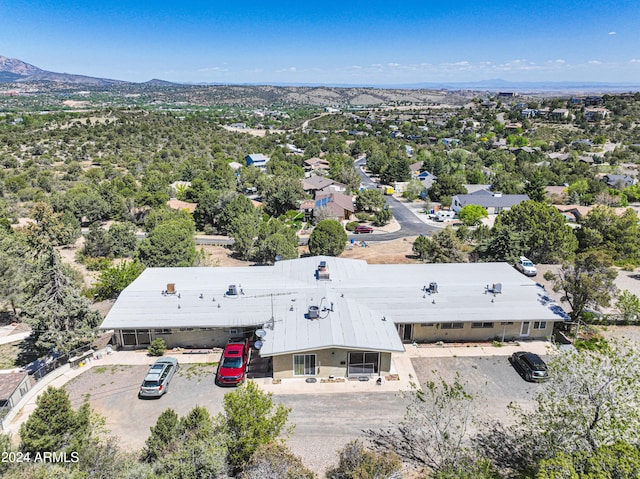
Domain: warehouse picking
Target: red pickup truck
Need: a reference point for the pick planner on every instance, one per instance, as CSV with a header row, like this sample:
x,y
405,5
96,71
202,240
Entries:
x,y
234,363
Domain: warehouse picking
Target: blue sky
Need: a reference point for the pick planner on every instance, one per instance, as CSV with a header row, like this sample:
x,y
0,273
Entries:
x,y
347,42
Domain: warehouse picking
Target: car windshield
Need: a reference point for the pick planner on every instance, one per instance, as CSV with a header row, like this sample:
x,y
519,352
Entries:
x,y
232,362
528,264
150,384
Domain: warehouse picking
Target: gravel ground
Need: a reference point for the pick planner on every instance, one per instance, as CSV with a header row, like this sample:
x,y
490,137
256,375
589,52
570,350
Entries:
x,y
492,382
324,423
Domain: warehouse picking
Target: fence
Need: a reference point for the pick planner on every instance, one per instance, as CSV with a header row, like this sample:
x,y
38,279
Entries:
x,y
43,366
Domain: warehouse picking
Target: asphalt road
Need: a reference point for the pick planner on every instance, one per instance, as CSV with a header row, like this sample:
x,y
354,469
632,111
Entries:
x,y
410,224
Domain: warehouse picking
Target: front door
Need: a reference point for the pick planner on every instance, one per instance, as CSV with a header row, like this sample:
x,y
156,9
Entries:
x,y
524,329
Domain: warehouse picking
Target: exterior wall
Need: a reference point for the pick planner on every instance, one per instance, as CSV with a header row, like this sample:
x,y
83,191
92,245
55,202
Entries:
x,y
434,332
329,362
196,338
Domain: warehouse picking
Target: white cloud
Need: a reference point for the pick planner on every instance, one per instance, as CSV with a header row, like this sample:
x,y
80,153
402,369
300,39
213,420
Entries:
x,y
287,70
612,33
393,65
212,69
634,60
594,62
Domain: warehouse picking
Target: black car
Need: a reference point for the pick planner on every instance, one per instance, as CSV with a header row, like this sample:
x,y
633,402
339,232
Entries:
x,y
530,365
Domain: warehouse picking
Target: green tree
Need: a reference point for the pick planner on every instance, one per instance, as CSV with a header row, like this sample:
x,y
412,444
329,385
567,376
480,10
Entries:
x,y
547,237
327,238
57,314
369,200
274,240
97,242
414,190
534,187
250,419
442,247
197,451
505,243
169,244
619,460
603,229
50,229
471,215
629,305
53,426
447,185
383,216
123,240
357,462
282,194
162,436
588,281
113,280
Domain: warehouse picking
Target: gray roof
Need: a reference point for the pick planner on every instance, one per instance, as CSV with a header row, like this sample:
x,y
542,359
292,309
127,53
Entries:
x,y
362,295
487,199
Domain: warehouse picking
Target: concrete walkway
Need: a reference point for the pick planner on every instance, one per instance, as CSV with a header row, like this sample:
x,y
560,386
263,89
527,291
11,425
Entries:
x,y
8,334
401,366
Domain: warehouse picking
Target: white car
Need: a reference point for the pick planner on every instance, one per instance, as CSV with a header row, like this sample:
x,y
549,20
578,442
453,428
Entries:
x,y
526,266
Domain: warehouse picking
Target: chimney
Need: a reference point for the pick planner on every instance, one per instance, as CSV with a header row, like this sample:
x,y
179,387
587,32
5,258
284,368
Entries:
x,y
171,288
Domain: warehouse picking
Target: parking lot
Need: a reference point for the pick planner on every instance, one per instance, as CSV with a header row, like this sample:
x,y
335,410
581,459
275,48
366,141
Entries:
x,y
491,380
324,423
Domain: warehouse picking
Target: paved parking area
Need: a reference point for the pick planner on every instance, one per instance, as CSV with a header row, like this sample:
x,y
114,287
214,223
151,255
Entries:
x,y
491,380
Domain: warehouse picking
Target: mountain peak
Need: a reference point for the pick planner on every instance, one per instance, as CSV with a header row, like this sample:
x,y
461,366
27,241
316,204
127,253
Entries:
x,y
18,67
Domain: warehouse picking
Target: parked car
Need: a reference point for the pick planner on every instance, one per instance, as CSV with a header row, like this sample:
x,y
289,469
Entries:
x,y
530,365
234,363
156,382
363,229
526,266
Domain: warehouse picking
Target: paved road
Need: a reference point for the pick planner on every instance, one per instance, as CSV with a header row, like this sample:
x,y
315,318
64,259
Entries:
x,y
410,224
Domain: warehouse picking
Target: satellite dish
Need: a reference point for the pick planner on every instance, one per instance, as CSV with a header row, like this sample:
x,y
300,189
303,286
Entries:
x,y
258,344
261,333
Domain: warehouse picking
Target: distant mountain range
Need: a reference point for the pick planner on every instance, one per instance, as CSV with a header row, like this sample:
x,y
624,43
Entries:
x,y
13,70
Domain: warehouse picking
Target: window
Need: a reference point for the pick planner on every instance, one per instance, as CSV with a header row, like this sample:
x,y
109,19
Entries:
x,y
452,325
539,325
482,325
363,363
304,364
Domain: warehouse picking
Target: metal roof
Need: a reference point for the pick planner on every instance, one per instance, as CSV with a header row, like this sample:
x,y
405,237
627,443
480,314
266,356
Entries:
x,y
362,295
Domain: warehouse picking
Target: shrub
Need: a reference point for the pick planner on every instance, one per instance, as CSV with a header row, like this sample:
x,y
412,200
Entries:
x,y
158,347
351,226
362,216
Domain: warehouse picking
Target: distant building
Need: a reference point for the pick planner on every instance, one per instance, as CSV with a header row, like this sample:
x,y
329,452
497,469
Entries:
x,y
493,202
257,160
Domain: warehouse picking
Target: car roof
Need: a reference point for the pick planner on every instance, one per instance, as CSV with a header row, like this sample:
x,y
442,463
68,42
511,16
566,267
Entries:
x,y
533,358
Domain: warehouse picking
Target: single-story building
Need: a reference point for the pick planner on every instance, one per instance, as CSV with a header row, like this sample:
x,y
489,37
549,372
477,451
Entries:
x,y
493,202
257,159
323,316
13,386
